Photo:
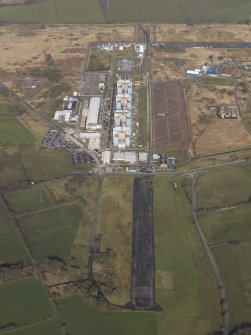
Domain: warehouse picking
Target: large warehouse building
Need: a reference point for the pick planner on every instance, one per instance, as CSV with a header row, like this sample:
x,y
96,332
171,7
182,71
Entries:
x,y
92,122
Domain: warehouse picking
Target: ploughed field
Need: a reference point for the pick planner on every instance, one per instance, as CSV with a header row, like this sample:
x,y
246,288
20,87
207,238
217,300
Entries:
x,y
170,119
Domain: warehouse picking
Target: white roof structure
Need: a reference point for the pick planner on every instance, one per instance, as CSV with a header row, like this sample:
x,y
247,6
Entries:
x,y
94,140
106,157
127,156
143,156
93,113
62,116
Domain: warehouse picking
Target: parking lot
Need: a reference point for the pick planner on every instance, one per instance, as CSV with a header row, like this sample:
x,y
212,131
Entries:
x,y
54,140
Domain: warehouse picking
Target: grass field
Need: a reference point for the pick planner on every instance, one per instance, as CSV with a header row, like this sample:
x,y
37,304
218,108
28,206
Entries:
x,y
33,198
89,11
11,171
188,294
52,232
230,224
218,81
24,302
224,187
229,230
11,130
83,319
48,328
177,11
44,164
115,229
235,265
12,249
75,11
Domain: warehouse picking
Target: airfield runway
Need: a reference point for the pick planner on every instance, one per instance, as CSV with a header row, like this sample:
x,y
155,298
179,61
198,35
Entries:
x,y
143,287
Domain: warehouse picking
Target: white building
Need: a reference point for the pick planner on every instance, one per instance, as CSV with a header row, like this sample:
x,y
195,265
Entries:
x,y
63,116
93,114
93,138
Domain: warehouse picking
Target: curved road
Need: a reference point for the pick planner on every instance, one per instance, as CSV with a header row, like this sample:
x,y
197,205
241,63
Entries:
x,y
221,286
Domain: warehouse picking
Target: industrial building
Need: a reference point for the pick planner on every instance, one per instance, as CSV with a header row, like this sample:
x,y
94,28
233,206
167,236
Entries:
x,y
62,116
140,49
126,156
122,114
92,122
93,139
67,114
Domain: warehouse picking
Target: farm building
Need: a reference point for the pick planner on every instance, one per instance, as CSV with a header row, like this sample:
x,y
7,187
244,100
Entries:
x,y
93,114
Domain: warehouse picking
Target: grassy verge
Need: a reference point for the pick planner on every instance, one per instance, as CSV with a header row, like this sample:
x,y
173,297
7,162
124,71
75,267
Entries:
x,y
24,302
143,114
186,287
115,230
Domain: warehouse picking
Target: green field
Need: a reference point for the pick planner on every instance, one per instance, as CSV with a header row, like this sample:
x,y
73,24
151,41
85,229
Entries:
x,y
24,302
35,197
11,130
52,232
86,188
12,249
224,187
75,11
230,224
89,11
11,171
41,164
83,319
188,290
235,264
231,233
48,328
178,11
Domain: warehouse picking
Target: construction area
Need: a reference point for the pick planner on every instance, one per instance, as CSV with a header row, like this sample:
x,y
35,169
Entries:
x,y
170,119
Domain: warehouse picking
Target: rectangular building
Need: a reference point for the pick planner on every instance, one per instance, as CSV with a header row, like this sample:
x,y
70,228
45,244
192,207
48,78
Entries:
x,y
93,114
